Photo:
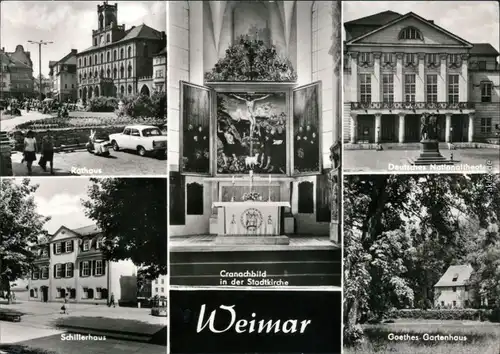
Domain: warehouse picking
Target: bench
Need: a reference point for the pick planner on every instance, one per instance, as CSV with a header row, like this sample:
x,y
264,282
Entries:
x,y
10,316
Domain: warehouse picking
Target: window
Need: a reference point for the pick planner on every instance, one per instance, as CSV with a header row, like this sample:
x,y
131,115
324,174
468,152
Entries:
x,y
365,88
35,273
95,42
409,88
410,33
454,59
454,289
72,86
121,53
410,59
388,88
102,73
455,277
108,56
162,290
365,57
102,58
115,73
68,246
98,267
85,269
129,50
163,281
159,73
108,38
45,272
453,88
58,270
486,125
108,73
69,270
80,62
95,59
114,55
134,132
98,293
72,293
481,65
454,303
431,88
122,72
59,292
129,71
58,248
129,89
90,60
432,59
486,91
85,293
98,244
156,290
156,281
387,58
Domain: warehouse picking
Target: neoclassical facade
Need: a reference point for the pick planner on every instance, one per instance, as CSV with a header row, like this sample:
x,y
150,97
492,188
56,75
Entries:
x,y
120,61
397,67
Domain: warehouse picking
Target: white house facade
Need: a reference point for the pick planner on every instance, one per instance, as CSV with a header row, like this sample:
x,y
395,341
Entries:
x,y
452,290
397,67
71,265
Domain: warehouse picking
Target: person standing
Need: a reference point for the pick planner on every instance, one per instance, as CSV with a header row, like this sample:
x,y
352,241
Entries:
x,y
47,152
30,150
112,300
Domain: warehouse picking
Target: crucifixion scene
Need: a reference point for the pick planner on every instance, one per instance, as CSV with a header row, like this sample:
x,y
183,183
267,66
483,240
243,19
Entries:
x,y
251,133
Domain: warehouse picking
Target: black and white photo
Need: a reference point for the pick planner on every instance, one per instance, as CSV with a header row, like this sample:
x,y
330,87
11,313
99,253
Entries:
x,y
83,267
421,86
255,155
83,88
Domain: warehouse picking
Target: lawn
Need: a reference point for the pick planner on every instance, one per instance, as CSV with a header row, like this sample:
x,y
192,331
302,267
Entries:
x,y
481,338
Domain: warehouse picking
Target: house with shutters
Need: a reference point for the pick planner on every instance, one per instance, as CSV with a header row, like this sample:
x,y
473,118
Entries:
x,y
70,264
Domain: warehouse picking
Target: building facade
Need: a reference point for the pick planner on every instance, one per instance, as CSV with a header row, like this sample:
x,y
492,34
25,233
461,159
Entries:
x,y
120,61
17,73
160,71
452,290
397,67
71,264
159,286
63,77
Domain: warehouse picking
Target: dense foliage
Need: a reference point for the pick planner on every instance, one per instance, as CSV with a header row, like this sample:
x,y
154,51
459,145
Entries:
x,y
141,106
102,104
20,228
251,60
131,212
451,314
403,232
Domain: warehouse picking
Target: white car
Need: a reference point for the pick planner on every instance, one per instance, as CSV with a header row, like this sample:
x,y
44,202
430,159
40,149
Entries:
x,y
145,139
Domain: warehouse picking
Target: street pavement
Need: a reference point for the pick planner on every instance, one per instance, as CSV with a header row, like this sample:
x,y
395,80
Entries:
x,y
83,163
10,124
379,161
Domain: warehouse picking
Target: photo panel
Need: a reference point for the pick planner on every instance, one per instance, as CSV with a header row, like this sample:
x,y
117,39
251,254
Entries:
x,y
79,261
88,104
433,245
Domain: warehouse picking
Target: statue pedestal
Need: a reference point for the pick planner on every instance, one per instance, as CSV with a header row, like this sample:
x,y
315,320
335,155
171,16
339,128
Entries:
x,y
430,155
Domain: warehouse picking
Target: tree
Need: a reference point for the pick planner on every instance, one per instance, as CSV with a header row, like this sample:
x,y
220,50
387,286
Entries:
x,y
20,228
250,59
132,214
402,232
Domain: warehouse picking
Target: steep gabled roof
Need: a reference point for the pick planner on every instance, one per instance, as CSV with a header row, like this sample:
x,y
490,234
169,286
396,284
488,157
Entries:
x,y
401,18
456,275
52,63
87,230
379,19
483,49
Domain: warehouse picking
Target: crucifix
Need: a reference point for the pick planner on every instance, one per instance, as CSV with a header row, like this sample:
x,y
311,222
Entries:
x,y
251,115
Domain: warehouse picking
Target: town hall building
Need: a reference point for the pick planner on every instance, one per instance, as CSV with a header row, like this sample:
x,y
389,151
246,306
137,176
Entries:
x,y
398,67
254,107
120,61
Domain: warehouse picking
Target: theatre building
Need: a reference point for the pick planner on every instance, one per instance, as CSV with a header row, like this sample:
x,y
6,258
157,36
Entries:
x,y
120,60
397,67
71,264
253,109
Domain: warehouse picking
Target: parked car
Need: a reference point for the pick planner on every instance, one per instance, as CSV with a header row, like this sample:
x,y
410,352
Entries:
x,y
145,139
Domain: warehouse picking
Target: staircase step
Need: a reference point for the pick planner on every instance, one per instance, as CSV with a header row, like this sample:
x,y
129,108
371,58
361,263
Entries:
x,y
309,280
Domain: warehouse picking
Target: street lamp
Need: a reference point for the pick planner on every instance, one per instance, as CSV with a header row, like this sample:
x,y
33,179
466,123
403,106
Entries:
x,y
40,43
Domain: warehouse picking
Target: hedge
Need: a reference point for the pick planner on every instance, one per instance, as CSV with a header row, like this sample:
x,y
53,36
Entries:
x,y
144,106
444,314
102,104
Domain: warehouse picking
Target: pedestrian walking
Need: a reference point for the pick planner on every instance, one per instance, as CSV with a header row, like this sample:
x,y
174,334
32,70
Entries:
x,y
47,152
112,300
64,307
30,150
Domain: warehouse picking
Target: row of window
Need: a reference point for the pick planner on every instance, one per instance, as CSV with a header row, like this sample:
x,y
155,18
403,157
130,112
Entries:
x,y
87,293
162,290
107,74
94,60
409,58
68,247
66,270
409,88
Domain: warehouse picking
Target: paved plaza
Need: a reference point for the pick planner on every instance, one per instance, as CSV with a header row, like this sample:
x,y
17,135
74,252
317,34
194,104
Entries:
x,y
387,161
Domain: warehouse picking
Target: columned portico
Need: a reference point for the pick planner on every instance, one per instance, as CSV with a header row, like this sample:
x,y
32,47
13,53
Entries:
x,y
354,128
448,128
401,128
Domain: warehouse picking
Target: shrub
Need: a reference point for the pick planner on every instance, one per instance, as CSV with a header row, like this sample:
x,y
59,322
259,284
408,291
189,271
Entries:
x,y
102,104
494,315
144,106
445,314
353,336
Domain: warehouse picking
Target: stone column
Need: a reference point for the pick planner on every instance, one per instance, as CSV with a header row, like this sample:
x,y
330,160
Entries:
x,y
354,76
441,84
376,84
463,83
354,128
401,128
420,82
378,125
398,80
470,135
447,128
